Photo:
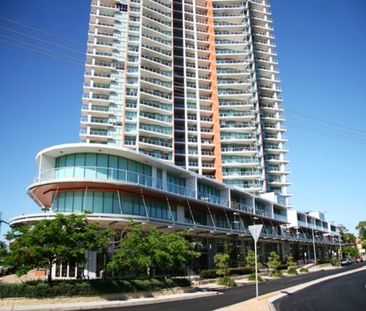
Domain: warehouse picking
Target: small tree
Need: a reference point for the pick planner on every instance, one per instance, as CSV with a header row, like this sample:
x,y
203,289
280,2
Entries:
x,y
170,250
290,261
334,261
62,239
291,266
346,236
140,253
222,264
250,259
349,252
361,227
274,264
133,255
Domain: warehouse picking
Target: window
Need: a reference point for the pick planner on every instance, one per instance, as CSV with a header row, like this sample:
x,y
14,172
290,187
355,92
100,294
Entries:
x,y
90,165
122,7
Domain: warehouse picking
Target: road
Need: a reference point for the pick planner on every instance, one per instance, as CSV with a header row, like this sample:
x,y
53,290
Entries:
x,y
344,293
234,295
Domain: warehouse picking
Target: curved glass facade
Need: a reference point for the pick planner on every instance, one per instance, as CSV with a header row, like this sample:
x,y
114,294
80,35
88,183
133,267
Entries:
x,y
108,202
92,165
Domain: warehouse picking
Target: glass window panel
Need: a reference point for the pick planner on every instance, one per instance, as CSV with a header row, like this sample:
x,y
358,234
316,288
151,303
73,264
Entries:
x,y
61,202
153,210
102,164
140,207
72,269
116,204
113,164
123,166
98,202
64,270
60,162
90,159
159,177
140,168
69,202
88,199
108,202
123,163
69,168
57,269
70,160
55,203
132,168
127,205
79,165
90,163
78,201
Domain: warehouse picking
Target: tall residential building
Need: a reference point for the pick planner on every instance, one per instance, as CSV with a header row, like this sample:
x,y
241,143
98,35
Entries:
x,y
192,82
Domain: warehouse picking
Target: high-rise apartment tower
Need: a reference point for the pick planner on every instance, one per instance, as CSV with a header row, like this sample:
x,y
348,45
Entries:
x,y
191,82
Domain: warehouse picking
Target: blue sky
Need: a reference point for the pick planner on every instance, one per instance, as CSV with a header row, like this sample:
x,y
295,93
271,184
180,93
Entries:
x,y
321,50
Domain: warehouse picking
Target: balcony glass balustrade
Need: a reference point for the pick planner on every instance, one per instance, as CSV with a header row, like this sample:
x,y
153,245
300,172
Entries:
x,y
107,173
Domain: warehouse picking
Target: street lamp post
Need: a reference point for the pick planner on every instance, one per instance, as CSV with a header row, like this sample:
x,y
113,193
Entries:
x,y
314,248
255,230
340,248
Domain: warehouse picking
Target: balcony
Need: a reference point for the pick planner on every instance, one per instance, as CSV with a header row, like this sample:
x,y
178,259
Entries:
x,y
262,212
212,199
280,217
242,207
239,149
111,174
156,142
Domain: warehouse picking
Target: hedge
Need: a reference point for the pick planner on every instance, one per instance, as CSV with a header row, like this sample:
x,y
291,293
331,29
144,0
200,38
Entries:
x,y
211,273
208,274
42,289
240,271
323,261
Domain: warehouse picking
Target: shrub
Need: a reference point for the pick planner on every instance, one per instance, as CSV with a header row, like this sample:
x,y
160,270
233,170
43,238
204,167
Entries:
x,y
240,271
227,281
252,277
274,265
86,288
323,261
276,274
208,274
222,264
304,270
282,266
292,270
211,273
250,260
141,285
335,262
178,282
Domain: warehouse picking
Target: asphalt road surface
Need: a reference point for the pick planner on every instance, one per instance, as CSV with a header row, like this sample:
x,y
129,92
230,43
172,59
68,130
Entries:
x,y
235,295
344,293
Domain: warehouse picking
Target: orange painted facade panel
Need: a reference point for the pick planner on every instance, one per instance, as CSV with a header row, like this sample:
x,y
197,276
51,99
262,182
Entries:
x,y
214,93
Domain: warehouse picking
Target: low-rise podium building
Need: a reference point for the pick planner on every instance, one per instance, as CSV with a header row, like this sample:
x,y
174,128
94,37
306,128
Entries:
x,y
115,185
